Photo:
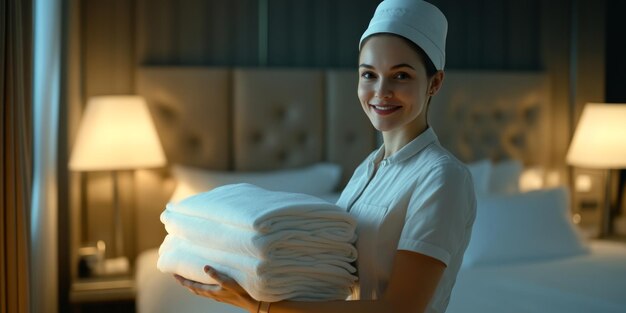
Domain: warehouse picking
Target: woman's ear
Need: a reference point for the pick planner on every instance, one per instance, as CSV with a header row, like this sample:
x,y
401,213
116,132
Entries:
x,y
436,82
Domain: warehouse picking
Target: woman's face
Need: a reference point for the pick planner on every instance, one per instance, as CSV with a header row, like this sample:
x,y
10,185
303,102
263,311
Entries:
x,y
393,86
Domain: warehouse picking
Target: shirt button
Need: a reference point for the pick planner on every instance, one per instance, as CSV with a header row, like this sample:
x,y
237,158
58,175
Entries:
x,y
383,162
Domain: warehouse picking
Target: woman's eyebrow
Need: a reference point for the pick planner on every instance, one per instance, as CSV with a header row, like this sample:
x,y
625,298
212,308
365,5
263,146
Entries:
x,y
402,65
393,67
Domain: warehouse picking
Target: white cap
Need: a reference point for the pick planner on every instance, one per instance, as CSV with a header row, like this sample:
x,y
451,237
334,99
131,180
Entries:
x,y
415,20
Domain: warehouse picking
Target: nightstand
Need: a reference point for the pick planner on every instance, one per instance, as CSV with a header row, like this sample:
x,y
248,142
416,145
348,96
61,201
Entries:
x,y
103,294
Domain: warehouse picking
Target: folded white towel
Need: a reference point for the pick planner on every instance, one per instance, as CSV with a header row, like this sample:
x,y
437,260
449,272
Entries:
x,y
263,280
276,245
255,208
323,242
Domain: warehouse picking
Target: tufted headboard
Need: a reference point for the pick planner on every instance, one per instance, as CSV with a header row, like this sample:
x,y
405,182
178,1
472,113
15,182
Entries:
x,y
259,119
494,115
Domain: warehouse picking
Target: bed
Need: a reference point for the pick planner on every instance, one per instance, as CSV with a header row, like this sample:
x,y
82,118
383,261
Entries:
x,y
593,282
303,130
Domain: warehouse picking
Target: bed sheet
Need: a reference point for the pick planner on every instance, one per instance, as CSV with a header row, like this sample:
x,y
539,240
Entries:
x,y
594,282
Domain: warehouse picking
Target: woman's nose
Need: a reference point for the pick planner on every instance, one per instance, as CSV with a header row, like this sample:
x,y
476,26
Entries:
x,y
382,90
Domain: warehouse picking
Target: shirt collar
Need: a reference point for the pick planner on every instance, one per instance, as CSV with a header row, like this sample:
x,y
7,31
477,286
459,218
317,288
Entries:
x,y
410,149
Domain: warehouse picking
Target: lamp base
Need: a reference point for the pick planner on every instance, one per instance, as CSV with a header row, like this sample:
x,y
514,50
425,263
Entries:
x,y
607,215
113,267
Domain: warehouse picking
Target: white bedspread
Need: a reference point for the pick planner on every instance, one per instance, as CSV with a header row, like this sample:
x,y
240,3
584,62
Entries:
x,y
593,283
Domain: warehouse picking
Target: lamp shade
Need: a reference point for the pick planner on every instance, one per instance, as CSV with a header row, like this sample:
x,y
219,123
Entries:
x,y
116,133
600,138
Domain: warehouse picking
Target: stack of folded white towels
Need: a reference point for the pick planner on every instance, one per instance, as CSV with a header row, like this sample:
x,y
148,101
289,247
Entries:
x,y
276,245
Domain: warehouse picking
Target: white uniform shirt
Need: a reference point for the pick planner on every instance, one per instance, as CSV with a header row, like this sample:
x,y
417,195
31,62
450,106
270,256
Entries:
x,y
420,199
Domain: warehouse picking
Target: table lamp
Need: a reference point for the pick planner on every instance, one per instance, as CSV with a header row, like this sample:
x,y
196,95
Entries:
x,y
600,143
116,133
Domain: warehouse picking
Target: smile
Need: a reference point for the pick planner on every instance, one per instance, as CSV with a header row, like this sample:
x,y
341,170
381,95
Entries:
x,y
384,109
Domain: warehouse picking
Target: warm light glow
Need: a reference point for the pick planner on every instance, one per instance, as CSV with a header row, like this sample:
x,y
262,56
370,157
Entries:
x,y
535,178
600,138
553,179
116,132
583,183
531,179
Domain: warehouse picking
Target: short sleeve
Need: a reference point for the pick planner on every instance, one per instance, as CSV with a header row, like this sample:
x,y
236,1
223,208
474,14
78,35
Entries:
x,y
440,213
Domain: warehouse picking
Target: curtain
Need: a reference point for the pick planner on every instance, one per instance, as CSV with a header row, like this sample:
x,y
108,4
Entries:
x,y
44,221
15,153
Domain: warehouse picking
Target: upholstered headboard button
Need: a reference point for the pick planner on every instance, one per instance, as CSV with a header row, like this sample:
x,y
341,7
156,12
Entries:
x,y
531,114
192,143
280,112
302,138
166,112
256,137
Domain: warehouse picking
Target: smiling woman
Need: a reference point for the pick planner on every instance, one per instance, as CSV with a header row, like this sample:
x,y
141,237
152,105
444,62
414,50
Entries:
x,y
413,201
395,89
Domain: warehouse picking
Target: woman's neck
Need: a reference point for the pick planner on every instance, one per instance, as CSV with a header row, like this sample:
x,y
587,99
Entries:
x,y
395,140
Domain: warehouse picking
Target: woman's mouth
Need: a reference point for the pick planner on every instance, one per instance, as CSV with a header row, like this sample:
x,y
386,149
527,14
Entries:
x,y
385,109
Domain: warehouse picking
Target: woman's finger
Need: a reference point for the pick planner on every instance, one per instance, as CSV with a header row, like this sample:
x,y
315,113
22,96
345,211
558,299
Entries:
x,y
179,279
190,284
205,287
225,281
227,290
219,278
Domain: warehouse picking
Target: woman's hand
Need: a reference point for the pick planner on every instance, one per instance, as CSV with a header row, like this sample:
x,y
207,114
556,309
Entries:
x,y
227,290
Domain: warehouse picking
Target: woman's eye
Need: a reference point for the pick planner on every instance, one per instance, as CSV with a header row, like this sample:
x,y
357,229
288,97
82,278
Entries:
x,y
368,75
402,75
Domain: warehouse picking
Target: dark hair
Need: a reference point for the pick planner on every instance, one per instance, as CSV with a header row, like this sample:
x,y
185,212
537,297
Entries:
x,y
431,70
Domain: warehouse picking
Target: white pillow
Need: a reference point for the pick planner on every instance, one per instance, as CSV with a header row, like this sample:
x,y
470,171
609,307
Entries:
x,y
317,179
522,227
481,174
505,176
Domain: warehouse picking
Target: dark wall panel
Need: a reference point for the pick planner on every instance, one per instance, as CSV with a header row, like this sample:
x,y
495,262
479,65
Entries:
x,y
107,47
493,34
483,34
616,52
316,33
197,32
